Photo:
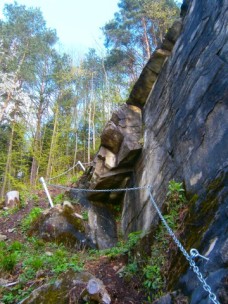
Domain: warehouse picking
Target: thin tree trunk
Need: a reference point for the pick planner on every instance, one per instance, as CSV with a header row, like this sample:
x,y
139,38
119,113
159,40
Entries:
x,y
76,137
147,44
89,127
155,42
75,152
8,162
53,139
93,126
36,149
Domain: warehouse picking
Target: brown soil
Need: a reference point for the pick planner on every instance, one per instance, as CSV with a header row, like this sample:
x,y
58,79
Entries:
x,y
120,290
106,269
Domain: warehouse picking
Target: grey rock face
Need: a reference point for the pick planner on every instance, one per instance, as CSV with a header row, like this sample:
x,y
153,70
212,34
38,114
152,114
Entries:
x,y
120,147
111,137
102,225
186,139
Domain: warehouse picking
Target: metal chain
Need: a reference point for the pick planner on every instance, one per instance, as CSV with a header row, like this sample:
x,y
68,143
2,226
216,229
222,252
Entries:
x,y
193,252
99,190
195,268
51,178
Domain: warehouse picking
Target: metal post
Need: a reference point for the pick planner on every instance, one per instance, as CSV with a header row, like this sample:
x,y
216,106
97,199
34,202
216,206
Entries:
x,y
46,190
81,165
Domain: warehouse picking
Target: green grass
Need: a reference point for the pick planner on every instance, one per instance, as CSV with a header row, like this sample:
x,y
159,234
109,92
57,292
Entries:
x,y
34,255
50,260
31,218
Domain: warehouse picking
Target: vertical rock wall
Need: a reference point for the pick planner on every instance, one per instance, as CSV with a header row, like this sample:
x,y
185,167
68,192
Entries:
x,y
185,117
186,139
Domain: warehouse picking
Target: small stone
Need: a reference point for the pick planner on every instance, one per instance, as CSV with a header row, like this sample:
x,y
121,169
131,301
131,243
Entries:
x,y
121,270
67,204
48,253
40,274
3,237
11,230
3,282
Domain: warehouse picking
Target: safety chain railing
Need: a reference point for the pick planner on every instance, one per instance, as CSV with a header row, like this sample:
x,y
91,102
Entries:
x,y
77,164
98,190
193,252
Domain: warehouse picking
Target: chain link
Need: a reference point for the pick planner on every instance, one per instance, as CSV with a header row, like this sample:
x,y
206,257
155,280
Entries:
x,y
195,268
99,190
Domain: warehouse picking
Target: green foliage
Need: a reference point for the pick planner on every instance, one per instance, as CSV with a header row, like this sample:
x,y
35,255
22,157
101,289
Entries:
x,y
154,269
123,247
58,199
31,218
8,262
9,255
85,215
176,192
15,246
133,239
135,31
153,278
34,262
8,212
2,245
129,271
8,298
32,257
79,97
174,202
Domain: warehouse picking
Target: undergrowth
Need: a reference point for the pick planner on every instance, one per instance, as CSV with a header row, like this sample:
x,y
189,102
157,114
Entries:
x,y
30,259
34,261
152,269
157,265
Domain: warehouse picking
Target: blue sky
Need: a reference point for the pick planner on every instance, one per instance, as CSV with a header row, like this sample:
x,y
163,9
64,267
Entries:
x,y
77,22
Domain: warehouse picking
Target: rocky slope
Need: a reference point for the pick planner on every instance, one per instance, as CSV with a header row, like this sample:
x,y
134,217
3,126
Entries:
x,y
183,93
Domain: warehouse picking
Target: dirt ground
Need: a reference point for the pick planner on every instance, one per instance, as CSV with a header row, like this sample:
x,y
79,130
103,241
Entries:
x,y
104,268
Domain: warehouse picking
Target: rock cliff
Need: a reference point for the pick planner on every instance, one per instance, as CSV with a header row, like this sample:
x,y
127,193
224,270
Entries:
x,y
183,95
186,139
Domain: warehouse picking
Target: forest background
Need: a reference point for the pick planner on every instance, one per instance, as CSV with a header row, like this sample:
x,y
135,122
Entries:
x,y
52,111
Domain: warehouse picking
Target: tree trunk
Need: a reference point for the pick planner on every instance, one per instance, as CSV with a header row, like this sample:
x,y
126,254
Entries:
x,y
53,140
8,162
75,152
93,125
36,149
89,127
76,137
146,40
